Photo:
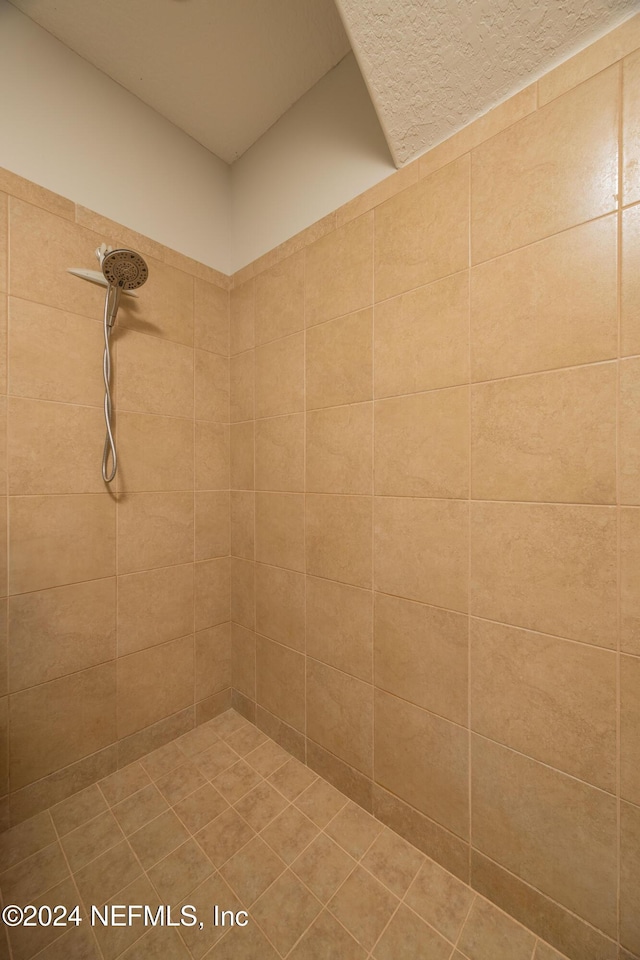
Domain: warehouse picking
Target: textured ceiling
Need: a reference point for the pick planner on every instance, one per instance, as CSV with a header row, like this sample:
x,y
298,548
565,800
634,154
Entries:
x,y
434,65
222,70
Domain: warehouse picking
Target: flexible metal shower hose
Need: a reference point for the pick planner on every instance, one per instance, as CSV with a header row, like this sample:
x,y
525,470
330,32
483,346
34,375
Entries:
x,y
109,442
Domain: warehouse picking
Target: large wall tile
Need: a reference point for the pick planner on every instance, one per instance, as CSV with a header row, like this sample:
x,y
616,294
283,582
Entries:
x,y
280,605
422,445
211,373
154,453
630,877
355,785
211,524
210,317
4,322
340,715
242,386
243,524
551,436
242,302
630,286
548,567
4,241
608,49
4,653
154,530
4,747
54,355
422,234
339,450
60,244
211,456
631,129
423,832
153,375
574,937
280,299
164,307
554,169
549,304
280,683
54,448
424,760
157,735
3,447
242,455
153,684
60,631
243,660
58,540
212,591
421,655
339,361
630,580
339,272
154,606
338,538
243,592
630,728
339,626
629,432
279,453
422,550
279,376
54,724
421,339
553,831
551,699
69,537
280,529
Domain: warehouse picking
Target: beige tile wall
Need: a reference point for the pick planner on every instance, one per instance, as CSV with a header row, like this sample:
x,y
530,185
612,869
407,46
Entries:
x,y
435,498
115,627
418,442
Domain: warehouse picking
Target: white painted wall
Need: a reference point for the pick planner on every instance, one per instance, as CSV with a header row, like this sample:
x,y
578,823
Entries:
x,y
70,128
325,150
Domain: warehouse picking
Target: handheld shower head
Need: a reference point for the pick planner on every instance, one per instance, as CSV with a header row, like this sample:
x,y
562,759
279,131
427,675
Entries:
x,y
125,269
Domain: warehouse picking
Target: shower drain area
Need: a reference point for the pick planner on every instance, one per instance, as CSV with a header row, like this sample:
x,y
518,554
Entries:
x,y
220,845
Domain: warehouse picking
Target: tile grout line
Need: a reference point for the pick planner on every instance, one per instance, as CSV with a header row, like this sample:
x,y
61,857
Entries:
x,y
469,526
71,876
373,512
474,897
618,413
304,507
546,897
194,507
8,524
324,906
290,803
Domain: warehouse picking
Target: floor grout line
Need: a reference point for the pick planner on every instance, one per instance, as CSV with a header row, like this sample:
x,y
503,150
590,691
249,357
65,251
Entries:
x,y
222,739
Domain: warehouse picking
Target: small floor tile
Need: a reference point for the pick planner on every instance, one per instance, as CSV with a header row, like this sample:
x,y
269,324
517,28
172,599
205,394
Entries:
x,y
364,906
323,866
158,838
200,808
224,836
250,871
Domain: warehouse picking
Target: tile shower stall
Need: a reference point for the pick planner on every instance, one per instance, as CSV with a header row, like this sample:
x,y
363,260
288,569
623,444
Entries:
x,y
354,643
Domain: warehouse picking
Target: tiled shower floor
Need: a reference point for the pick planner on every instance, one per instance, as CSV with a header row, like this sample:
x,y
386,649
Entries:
x,y
224,816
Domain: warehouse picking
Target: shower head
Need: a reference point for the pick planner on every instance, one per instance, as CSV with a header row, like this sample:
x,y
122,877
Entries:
x,y
125,269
